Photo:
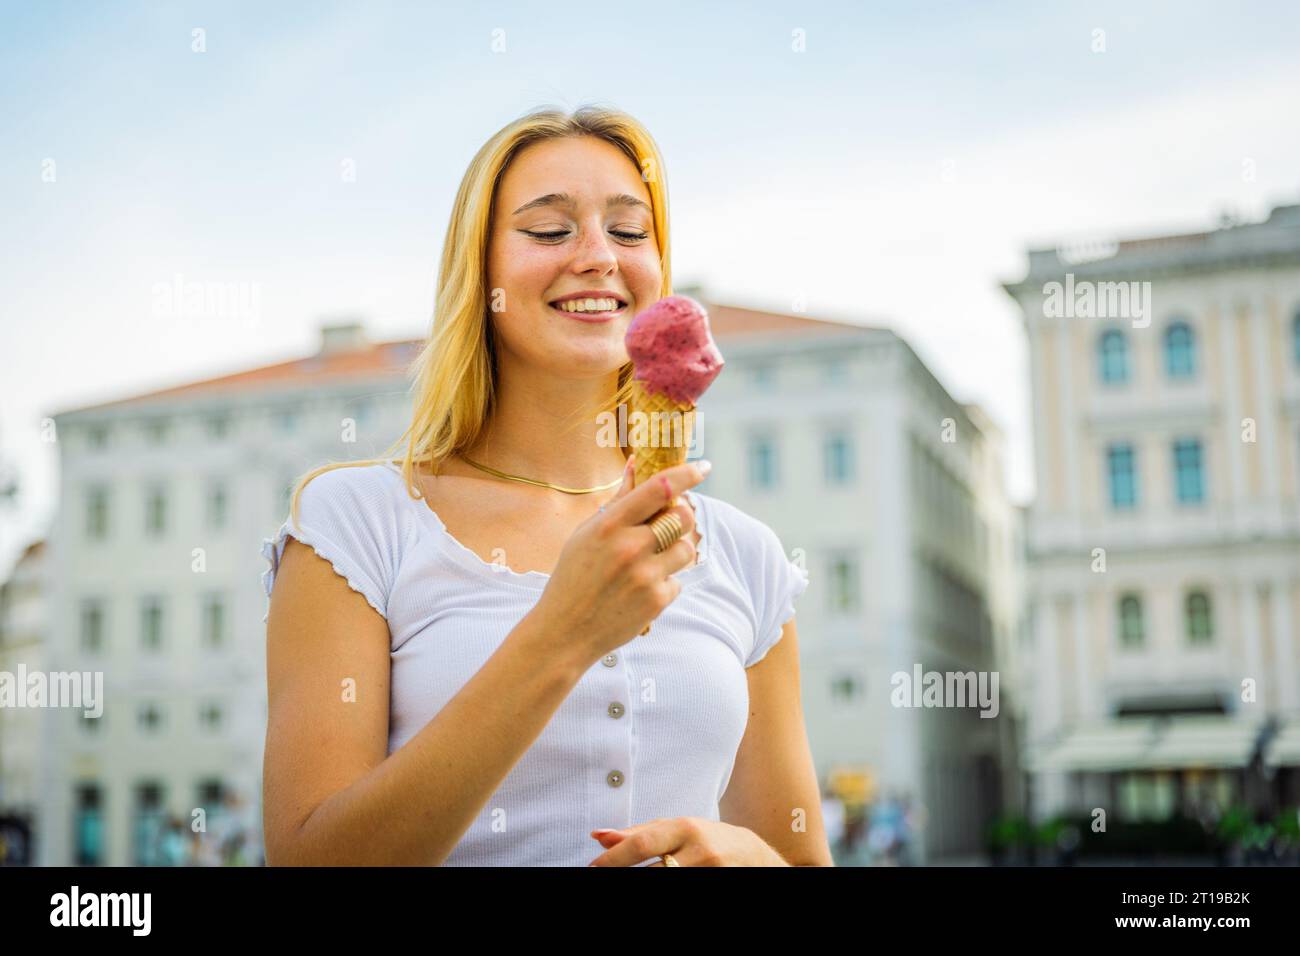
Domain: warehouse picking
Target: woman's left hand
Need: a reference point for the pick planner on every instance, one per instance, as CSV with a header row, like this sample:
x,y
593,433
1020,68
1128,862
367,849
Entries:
x,y
692,841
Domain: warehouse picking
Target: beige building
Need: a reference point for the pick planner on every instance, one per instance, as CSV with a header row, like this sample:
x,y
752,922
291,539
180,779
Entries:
x,y
1164,543
24,633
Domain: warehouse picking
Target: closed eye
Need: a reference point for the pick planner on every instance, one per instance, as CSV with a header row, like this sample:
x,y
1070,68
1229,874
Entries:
x,y
557,236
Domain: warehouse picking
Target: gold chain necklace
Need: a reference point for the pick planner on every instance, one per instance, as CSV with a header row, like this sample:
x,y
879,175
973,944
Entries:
x,y
543,484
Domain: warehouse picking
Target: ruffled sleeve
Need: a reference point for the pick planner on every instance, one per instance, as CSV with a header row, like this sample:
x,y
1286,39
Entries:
x,y
345,516
780,581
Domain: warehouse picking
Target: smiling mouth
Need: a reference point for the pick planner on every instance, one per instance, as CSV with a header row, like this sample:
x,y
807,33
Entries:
x,y
591,309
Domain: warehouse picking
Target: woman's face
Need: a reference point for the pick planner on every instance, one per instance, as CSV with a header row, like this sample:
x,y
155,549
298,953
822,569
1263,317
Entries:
x,y
588,229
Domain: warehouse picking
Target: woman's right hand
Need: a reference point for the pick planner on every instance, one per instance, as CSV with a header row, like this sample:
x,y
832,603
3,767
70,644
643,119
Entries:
x,y
609,583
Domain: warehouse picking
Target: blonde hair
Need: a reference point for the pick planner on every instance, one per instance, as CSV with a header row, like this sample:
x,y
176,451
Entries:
x,y
455,372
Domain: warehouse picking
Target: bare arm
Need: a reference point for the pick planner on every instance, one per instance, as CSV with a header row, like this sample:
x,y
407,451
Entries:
x,y
774,773
332,795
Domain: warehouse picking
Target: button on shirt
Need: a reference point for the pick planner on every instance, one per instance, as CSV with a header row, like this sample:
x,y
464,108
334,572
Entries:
x,y
652,728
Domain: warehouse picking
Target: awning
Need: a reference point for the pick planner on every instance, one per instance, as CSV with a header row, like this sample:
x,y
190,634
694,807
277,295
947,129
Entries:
x,y
1150,743
1285,749
1111,745
1204,742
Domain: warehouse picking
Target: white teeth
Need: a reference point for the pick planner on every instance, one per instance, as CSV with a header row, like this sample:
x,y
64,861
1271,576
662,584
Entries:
x,y
589,305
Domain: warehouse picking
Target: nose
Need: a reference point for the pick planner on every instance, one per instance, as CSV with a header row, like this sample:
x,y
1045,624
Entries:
x,y
594,250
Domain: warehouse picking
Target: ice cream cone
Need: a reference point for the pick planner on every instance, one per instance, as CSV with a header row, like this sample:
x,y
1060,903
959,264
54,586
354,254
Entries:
x,y
659,433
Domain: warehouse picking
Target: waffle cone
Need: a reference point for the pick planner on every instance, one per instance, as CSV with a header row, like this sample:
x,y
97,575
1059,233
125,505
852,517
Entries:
x,y
660,442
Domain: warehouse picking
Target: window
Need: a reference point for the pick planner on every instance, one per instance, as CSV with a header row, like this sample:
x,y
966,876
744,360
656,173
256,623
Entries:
x,y
92,625
211,796
843,592
155,511
845,689
1123,475
217,426
1180,351
147,824
210,717
764,376
762,462
97,512
1131,628
1113,353
150,718
88,825
838,459
151,624
359,410
1188,478
97,437
156,431
286,420
1200,623
1144,795
214,621
216,505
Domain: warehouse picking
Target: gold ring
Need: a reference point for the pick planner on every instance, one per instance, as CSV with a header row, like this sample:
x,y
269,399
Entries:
x,y
668,860
667,529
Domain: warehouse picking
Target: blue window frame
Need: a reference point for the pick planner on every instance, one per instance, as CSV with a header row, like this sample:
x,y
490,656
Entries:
x,y
1113,354
1180,351
1132,628
1120,465
838,459
762,462
1200,618
1189,479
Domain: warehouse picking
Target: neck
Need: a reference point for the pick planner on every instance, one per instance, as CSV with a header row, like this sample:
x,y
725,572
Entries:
x,y
537,431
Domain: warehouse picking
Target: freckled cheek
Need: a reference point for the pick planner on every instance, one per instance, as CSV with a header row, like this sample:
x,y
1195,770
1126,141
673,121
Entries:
x,y
643,277
527,272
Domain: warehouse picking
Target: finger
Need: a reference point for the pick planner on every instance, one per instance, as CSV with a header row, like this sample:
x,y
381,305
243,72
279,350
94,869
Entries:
x,y
629,479
683,512
678,555
649,498
647,844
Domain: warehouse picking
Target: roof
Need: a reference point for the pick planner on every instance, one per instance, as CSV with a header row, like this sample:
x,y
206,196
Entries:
x,y
733,322
393,359
1274,241
367,362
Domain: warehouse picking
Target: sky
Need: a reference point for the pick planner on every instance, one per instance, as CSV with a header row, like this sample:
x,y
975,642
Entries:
x,y
893,171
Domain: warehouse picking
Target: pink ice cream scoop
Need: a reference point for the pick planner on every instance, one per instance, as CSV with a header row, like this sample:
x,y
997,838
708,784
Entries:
x,y
671,347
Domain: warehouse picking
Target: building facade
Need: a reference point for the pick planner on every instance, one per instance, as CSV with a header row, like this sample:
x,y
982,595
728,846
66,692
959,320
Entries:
x,y
156,581
1164,542
892,492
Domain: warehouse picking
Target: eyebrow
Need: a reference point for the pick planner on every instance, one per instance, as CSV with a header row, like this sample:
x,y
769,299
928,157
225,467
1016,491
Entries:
x,y
564,199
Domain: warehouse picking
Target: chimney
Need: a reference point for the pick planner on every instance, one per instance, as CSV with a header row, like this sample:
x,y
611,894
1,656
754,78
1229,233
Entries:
x,y
345,336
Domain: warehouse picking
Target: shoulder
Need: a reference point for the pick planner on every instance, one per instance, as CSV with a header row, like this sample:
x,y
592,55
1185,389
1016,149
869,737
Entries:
x,y
737,533
354,482
352,516
357,497
755,558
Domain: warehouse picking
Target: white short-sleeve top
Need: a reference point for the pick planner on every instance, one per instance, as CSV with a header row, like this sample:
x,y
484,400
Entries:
x,y
651,730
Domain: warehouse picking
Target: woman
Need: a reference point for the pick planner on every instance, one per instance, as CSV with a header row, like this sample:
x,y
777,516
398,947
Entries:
x,y
454,662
